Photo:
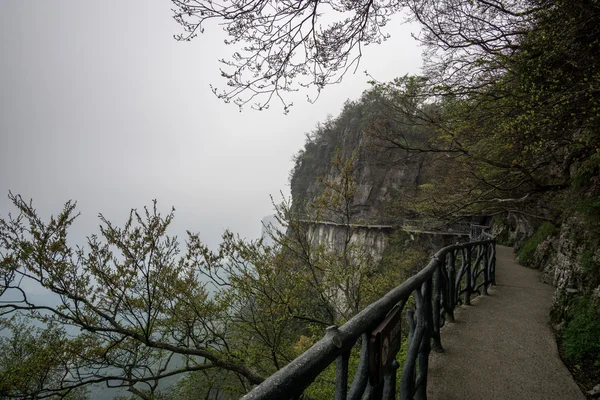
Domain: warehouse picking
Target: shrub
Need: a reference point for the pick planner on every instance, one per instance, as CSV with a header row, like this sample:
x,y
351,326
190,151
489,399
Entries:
x,y
591,268
588,170
581,338
525,255
589,206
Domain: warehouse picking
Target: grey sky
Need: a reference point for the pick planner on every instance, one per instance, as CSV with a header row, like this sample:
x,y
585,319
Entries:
x,y
101,105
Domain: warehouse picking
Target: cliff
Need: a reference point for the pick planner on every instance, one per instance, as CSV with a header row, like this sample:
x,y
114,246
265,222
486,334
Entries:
x,y
380,172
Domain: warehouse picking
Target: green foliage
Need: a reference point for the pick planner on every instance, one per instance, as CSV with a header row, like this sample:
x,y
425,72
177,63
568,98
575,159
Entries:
x,y
503,237
402,258
588,170
589,206
232,316
525,254
580,336
588,262
591,268
31,359
209,384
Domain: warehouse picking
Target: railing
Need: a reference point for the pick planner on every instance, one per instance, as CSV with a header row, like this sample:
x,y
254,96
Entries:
x,y
479,232
411,225
425,225
452,276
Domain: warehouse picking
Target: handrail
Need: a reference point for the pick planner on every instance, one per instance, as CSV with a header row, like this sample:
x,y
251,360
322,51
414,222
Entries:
x,y
479,232
415,225
437,290
433,225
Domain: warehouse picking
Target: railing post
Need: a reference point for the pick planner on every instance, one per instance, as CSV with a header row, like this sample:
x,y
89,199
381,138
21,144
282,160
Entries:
x,y
493,263
425,348
437,309
450,301
468,275
486,269
389,385
341,376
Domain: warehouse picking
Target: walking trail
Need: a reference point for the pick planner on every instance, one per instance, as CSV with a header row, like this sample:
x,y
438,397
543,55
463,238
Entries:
x,y
503,346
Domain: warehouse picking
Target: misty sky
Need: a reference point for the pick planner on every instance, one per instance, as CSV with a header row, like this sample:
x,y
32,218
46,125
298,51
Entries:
x,y
101,105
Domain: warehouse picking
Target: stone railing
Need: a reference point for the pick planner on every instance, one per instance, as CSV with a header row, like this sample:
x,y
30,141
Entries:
x,y
426,300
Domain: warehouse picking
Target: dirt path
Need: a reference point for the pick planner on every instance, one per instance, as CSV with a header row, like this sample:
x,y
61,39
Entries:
x,y
503,347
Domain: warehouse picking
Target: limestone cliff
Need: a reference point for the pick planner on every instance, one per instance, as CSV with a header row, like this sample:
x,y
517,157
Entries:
x,y
380,172
569,260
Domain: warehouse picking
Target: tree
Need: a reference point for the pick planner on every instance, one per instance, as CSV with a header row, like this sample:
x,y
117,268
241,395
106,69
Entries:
x,y
132,308
32,359
139,309
286,45
511,140
503,85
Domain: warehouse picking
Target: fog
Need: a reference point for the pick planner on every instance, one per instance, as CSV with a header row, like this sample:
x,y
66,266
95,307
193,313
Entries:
x,y
101,105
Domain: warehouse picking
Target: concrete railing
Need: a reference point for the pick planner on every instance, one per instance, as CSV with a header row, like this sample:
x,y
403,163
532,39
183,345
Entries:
x,y
410,225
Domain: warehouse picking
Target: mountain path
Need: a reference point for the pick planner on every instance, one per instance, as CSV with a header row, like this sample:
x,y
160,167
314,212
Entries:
x,y
502,347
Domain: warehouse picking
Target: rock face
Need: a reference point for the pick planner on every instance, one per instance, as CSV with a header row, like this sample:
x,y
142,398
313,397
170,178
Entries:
x,y
376,239
514,230
595,392
562,260
334,236
378,174
544,259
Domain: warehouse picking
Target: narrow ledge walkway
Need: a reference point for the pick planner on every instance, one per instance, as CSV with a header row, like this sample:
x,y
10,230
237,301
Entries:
x,y
502,347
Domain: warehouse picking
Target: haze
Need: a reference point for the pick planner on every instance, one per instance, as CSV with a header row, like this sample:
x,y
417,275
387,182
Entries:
x,y
101,105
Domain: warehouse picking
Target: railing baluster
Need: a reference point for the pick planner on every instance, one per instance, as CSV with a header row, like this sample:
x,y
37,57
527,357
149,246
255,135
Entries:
x,y
444,292
493,262
458,280
415,334
486,270
477,271
341,376
427,315
389,382
362,372
436,310
450,302
469,278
